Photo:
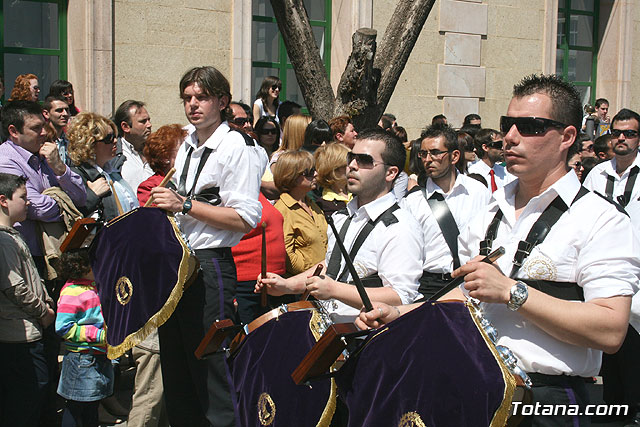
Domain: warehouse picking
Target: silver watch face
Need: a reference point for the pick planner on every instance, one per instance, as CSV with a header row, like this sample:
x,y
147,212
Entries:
x,y
519,294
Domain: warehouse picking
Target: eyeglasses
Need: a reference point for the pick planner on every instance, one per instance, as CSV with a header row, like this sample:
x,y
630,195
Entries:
x,y
495,144
423,154
276,87
628,133
308,173
272,131
240,121
529,125
109,139
364,161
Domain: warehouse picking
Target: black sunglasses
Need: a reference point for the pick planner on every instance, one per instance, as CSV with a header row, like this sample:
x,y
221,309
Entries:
x,y
109,139
276,87
308,173
628,133
273,131
528,125
240,121
495,144
363,160
433,153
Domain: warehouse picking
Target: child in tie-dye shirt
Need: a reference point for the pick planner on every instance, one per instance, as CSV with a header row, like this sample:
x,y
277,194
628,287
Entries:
x,y
87,374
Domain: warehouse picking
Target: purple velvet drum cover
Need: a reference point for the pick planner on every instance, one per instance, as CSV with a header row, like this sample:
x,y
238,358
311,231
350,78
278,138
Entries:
x,y
434,366
141,264
261,371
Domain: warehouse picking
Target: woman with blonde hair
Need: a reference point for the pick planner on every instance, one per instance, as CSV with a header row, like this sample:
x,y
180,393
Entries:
x,y
304,225
292,134
331,165
92,143
25,88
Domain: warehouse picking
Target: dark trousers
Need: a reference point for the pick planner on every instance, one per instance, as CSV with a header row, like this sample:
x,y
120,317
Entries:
x,y
621,372
80,414
198,392
558,390
430,283
24,379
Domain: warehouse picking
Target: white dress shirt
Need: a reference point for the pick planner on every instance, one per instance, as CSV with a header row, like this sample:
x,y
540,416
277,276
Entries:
x,y
591,245
235,169
465,200
597,179
395,252
500,173
135,169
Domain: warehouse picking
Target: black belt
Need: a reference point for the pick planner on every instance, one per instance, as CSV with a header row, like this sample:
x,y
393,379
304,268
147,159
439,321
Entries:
x,y
555,380
444,277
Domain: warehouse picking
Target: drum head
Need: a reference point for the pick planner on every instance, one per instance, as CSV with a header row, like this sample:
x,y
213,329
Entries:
x,y
433,366
261,371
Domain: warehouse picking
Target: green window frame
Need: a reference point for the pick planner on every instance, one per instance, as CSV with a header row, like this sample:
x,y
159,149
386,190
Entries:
x,y
281,67
7,49
576,55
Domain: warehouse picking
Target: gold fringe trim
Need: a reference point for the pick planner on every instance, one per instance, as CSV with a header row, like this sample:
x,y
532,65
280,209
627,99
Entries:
x,y
503,412
330,408
188,266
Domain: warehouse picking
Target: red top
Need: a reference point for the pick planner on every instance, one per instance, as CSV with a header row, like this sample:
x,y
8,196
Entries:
x,y
144,189
247,254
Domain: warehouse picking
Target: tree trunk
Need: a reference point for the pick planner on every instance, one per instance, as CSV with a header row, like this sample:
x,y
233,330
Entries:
x,y
396,46
304,55
369,79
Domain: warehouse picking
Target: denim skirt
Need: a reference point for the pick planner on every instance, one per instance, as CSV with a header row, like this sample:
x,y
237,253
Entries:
x,y
85,377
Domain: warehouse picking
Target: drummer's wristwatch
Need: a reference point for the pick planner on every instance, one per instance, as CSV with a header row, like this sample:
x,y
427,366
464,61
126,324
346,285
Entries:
x,y
519,294
186,206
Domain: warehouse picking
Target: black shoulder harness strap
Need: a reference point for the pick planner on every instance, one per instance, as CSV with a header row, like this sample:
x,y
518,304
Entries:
x,y
536,235
625,198
446,222
182,190
387,218
247,139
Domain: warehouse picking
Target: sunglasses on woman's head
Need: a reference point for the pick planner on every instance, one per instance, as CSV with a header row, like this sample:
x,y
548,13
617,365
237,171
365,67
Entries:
x,y
528,125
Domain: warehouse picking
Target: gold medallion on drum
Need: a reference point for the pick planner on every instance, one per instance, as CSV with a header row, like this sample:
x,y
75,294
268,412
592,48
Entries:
x,y
411,419
540,268
124,290
266,409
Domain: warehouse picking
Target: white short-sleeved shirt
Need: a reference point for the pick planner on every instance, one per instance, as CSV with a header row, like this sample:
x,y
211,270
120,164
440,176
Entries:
x,y
597,179
395,252
591,245
500,173
235,168
466,200
135,169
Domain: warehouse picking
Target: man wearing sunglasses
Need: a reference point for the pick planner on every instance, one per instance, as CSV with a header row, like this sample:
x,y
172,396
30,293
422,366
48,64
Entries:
x,y
616,179
241,116
488,147
444,206
557,302
390,258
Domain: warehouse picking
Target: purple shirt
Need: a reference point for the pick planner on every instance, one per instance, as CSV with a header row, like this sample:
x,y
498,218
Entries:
x,y
18,161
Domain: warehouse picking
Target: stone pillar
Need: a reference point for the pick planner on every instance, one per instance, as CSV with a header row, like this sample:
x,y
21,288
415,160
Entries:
x,y
90,54
461,78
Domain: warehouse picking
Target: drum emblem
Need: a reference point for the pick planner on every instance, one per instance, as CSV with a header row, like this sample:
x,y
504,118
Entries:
x,y
266,409
411,419
124,290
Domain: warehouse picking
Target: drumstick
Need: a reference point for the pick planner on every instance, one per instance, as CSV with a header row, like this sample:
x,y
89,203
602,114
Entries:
x,y
263,270
366,302
163,183
316,272
117,200
492,257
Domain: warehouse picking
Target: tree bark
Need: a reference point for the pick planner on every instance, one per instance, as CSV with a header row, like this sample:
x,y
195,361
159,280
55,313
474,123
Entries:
x,y
399,39
304,55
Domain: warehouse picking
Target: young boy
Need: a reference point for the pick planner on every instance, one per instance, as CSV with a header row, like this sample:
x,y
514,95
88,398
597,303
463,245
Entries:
x,y
25,310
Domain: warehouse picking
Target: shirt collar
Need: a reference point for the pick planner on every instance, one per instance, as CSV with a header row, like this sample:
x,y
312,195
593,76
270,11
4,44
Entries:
x,y
610,167
566,187
458,185
288,200
214,140
330,195
372,209
25,154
